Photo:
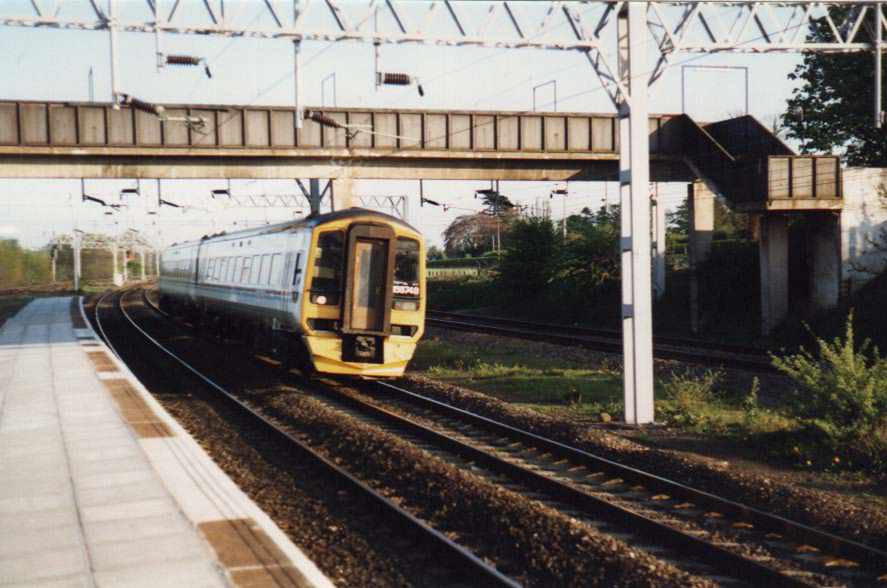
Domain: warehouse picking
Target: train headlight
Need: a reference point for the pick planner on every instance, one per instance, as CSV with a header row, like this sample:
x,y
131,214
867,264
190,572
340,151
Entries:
x,y
321,299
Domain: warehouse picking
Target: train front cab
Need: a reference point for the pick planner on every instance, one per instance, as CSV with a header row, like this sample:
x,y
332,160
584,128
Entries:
x,y
364,307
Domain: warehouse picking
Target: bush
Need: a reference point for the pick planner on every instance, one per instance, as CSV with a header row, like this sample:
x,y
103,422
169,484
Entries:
x,y
687,397
841,395
461,294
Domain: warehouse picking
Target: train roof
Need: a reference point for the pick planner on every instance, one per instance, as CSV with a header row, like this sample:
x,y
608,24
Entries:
x,y
307,222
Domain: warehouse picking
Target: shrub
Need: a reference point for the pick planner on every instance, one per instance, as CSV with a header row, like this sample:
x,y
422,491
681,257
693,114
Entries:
x,y
687,397
841,394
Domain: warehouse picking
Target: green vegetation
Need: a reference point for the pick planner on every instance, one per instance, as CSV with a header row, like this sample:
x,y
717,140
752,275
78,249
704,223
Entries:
x,y
509,372
835,419
840,398
826,112
23,267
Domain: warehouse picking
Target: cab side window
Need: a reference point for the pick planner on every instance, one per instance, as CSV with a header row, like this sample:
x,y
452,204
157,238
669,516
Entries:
x,y
327,282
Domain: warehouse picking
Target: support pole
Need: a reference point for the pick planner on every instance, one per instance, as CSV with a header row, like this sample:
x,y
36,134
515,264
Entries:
x,y
158,46
314,196
142,256
297,83
76,244
54,258
112,35
634,172
879,30
114,264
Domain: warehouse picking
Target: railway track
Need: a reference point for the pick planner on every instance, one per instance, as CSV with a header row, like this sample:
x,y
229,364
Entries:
x,y
677,348
700,532
465,564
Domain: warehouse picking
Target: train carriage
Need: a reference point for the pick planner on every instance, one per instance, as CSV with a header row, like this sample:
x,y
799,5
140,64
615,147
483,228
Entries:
x,y
341,293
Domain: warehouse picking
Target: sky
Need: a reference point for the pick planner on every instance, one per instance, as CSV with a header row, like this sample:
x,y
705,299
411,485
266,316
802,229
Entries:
x,y
45,64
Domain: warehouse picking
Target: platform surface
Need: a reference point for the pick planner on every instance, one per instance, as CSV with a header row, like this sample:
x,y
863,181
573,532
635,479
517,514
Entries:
x,y
99,486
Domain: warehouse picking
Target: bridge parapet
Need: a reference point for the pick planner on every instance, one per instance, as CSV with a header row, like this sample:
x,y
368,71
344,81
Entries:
x,y
273,128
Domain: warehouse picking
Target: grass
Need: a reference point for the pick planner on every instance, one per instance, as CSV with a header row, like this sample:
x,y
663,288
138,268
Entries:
x,y
566,384
511,373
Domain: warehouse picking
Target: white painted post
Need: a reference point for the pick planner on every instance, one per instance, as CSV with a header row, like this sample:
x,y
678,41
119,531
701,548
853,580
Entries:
x,y
76,244
634,174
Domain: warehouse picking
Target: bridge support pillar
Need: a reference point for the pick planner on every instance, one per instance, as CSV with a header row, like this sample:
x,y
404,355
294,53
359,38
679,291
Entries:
x,y
824,246
773,252
701,203
343,193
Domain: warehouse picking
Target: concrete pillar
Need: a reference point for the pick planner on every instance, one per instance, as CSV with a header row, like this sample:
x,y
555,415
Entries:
x,y
701,202
824,247
773,249
658,246
343,193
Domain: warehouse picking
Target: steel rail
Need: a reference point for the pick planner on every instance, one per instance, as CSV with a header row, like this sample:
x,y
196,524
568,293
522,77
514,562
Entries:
x,y
867,556
485,573
726,562
602,340
610,333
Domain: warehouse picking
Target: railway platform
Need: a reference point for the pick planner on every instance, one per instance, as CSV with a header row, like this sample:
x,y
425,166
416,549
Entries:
x,y
100,486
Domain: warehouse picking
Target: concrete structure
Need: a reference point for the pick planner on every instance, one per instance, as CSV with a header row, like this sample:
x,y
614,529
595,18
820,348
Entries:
x,y
99,486
863,224
701,203
774,261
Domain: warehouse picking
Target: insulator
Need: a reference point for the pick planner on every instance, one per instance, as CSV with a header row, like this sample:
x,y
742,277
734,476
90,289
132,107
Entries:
x,y
396,79
182,60
137,104
323,119
421,89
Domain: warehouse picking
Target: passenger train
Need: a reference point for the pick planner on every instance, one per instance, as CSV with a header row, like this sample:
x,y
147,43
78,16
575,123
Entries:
x,y
338,293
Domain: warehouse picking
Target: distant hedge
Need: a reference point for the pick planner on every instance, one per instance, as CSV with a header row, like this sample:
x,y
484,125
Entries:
x,y
480,262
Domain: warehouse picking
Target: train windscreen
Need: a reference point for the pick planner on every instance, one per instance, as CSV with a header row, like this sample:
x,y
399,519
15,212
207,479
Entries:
x,y
326,286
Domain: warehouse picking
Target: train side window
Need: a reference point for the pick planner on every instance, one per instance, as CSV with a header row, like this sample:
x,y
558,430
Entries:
x,y
256,268
328,268
297,270
208,272
266,269
275,270
244,270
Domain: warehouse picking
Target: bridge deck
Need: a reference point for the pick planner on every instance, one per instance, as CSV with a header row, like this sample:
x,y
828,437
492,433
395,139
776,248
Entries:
x,y
747,163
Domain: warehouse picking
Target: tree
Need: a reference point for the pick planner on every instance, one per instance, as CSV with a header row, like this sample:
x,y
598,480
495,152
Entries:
x,y
434,252
475,234
833,107
531,260
470,234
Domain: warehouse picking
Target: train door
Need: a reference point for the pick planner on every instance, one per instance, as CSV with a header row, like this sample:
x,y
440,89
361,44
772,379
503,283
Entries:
x,y
368,292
